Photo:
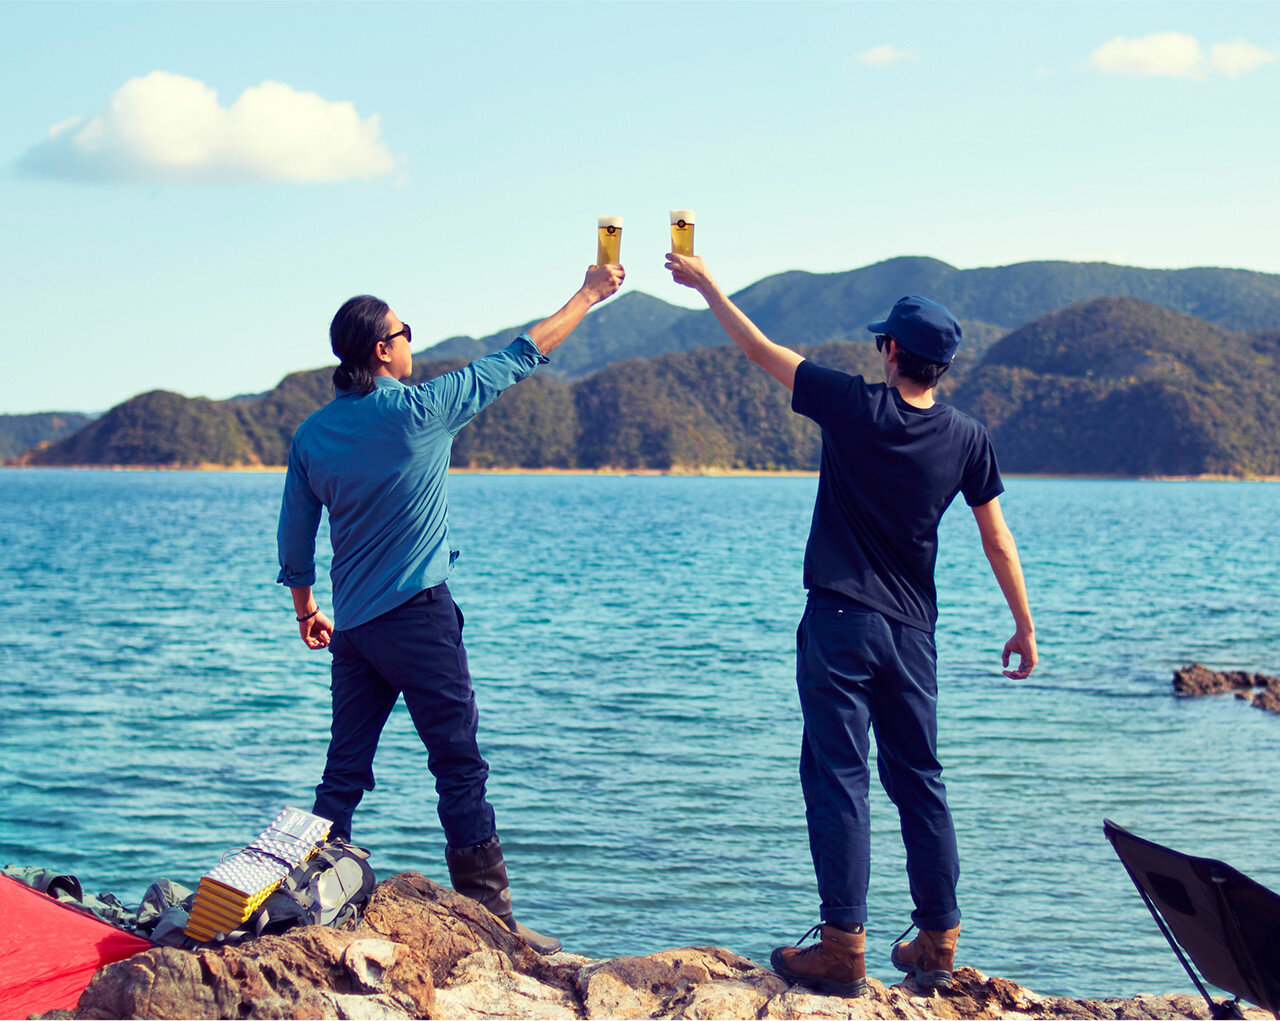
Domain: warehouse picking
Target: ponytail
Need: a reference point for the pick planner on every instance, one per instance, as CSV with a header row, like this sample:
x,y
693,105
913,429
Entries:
x,y
353,376
354,332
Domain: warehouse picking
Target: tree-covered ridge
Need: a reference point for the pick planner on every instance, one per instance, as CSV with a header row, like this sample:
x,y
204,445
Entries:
x,y
1111,386
1119,386
818,308
21,432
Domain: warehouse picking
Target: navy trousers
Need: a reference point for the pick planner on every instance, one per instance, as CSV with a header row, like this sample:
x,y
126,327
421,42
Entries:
x,y
414,650
858,671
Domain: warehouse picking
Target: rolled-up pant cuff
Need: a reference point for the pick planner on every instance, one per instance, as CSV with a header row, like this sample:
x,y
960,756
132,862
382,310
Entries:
x,y
844,916
935,922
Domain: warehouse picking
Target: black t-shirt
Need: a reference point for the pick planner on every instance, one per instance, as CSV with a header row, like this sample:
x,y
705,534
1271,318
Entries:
x,y
889,470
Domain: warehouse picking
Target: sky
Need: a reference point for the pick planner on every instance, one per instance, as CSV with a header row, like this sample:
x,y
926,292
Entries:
x,y
188,191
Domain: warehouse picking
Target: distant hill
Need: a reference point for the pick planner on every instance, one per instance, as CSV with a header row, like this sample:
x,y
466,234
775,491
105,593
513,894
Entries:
x,y
1107,385
1119,386
819,308
157,428
20,432
622,328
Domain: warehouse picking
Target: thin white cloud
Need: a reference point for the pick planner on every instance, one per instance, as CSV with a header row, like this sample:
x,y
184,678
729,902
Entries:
x,y
884,55
1237,58
1176,55
167,128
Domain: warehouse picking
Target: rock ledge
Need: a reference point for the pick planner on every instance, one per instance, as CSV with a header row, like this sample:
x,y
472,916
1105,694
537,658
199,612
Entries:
x,y
422,951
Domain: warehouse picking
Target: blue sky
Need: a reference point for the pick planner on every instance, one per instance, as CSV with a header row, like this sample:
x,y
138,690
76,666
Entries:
x,y
188,191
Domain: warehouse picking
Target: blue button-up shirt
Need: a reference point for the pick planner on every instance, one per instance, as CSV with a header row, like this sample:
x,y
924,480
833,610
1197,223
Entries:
x,y
380,463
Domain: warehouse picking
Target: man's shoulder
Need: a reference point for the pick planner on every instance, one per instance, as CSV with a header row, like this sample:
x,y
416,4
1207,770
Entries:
x,y
322,412
962,422
308,424
822,379
817,370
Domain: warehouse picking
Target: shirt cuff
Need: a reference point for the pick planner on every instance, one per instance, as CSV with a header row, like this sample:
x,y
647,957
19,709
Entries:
x,y
539,357
297,579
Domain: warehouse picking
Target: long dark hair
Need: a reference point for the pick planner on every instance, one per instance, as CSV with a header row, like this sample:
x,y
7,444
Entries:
x,y
355,331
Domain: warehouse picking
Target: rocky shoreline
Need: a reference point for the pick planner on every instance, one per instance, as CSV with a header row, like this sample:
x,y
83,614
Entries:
x,y
1259,690
421,951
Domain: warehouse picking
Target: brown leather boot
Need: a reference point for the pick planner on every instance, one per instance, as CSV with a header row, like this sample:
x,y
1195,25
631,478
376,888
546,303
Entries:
x,y
480,873
928,958
833,966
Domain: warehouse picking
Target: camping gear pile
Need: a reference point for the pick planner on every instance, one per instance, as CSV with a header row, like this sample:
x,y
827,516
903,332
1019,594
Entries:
x,y
56,937
236,887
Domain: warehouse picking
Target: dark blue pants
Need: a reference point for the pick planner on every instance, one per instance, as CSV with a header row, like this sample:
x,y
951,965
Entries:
x,y
415,650
857,670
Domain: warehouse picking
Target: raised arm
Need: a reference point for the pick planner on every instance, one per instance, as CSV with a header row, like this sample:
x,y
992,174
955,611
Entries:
x,y
780,362
1002,555
600,282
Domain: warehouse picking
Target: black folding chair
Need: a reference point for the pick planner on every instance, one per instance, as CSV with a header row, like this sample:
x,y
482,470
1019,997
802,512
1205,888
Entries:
x,y
1224,921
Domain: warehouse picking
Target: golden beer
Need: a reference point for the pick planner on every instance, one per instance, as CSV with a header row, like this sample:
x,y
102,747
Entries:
x,y
608,240
682,231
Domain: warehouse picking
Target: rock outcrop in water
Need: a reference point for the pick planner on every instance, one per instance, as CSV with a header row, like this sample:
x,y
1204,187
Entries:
x,y
421,951
1261,690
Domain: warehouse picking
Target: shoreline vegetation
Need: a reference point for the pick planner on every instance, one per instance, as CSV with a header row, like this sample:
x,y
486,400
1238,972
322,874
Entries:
x,y
710,472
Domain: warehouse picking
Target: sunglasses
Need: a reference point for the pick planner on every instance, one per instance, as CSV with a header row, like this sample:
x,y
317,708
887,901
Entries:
x,y
881,340
404,330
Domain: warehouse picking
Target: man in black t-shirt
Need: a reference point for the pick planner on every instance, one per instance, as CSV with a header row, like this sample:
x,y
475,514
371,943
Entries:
x,y
893,459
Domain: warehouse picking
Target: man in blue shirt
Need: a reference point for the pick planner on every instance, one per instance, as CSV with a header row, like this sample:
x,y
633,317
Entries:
x,y
377,457
892,461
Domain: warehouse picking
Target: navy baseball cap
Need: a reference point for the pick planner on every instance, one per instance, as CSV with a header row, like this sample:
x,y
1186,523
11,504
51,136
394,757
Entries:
x,y
923,327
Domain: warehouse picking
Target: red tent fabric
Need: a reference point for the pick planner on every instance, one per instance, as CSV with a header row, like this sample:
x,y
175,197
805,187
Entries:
x,y
48,951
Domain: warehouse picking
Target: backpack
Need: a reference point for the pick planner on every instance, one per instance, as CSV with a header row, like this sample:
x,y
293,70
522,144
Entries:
x,y
329,888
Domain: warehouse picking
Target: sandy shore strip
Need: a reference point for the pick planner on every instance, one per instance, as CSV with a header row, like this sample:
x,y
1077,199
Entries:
x,y
739,473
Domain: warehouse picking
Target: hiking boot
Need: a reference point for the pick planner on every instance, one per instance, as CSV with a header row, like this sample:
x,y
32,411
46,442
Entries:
x,y
480,873
928,958
834,966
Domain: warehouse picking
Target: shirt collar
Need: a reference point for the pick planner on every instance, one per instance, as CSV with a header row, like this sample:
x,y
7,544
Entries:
x,y
379,382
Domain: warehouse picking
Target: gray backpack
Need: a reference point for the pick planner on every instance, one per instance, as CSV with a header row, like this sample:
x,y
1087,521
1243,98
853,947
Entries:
x,y
329,888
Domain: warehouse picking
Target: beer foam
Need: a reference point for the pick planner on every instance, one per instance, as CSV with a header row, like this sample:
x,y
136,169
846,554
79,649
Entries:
x,y
608,221
682,214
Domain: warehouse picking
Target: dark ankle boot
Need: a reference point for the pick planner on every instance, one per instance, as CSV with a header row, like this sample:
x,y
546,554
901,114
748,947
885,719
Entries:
x,y
929,958
480,873
835,965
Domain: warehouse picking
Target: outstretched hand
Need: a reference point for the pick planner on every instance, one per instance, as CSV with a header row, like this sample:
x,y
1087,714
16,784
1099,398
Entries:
x,y
602,281
1025,646
316,631
689,270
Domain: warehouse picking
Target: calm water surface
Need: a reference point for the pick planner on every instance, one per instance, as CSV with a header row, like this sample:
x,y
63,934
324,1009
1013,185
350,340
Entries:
x,y
631,641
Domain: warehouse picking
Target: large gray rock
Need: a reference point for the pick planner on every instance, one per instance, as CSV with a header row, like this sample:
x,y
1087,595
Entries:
x,y
422,951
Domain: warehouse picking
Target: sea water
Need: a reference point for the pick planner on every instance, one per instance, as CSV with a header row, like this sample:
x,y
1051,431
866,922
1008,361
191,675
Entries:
x,y
632,646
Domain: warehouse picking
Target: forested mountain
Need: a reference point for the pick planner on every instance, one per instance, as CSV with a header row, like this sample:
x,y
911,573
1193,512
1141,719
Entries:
x,y
1123,387
1112,386
817,308
630,325
21,432
1107,385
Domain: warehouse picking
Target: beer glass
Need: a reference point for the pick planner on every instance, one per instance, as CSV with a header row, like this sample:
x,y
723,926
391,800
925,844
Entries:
x,y
682,231
608,239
